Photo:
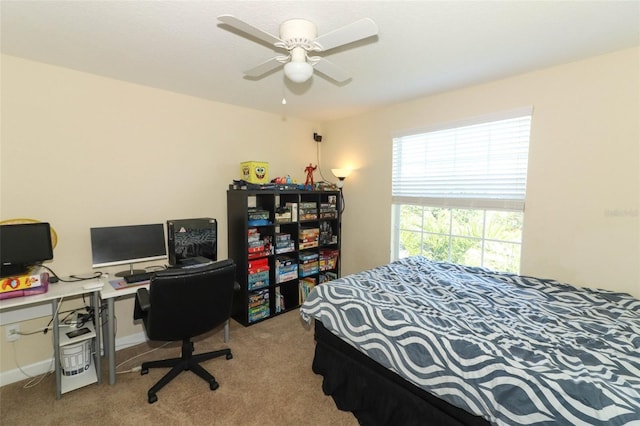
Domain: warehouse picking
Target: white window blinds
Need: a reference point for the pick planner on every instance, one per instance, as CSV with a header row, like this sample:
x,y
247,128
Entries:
x,y
479,164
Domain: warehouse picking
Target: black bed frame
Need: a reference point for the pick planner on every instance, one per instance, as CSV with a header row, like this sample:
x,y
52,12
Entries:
x,y
374,394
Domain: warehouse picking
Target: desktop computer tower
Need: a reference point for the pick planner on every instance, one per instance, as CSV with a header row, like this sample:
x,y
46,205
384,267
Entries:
x,y
192,241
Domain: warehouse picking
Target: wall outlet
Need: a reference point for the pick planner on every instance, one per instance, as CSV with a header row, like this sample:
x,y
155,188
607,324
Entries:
x,y
13,332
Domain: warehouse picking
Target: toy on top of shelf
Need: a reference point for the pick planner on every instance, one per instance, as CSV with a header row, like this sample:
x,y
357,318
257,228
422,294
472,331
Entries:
x,y
308,184
283,180
255,171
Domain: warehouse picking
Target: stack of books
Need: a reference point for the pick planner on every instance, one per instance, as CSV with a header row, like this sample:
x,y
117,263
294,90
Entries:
x,y
258,305
258,273
308,264
279,301
328,211
327,276
308,238
258,217
308,211
283,214
294,211
286,269
305,285
284,243
328,259
258,246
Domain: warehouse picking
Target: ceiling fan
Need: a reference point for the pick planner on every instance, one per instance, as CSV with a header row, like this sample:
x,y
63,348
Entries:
x,y
299,37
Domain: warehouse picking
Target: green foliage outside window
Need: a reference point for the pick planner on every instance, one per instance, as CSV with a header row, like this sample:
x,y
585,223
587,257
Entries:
x,y
466,236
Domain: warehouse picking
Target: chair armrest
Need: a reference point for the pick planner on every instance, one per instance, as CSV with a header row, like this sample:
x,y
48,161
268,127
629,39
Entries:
x,y
143,298
142,304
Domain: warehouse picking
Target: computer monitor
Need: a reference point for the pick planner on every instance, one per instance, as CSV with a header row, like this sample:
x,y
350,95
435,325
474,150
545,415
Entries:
x,y
24,245
121,245
192,238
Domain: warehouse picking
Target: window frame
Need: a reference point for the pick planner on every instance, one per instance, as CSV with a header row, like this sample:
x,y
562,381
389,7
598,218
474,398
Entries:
x,y
484,205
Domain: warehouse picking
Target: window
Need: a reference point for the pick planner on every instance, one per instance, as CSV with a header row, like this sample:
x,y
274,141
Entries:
x,y
458,191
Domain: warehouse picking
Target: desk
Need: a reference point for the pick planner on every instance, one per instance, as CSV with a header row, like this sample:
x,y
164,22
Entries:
x,y
56,293
109,294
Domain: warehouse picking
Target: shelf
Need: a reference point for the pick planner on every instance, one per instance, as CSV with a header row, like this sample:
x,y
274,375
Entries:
x,y
70,383
75,358
296,214
66,341
87,377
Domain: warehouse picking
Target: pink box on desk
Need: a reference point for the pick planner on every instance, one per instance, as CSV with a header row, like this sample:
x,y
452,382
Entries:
x,y
36,281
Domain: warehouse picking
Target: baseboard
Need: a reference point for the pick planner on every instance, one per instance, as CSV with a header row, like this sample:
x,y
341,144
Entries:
x,y
32,370
131,340
42,367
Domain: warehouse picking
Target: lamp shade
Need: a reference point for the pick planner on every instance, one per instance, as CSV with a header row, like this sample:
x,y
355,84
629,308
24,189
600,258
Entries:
x,y
298,72
341,173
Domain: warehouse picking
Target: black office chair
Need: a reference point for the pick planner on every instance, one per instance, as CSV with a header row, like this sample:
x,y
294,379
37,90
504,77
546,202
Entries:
x,y
181,304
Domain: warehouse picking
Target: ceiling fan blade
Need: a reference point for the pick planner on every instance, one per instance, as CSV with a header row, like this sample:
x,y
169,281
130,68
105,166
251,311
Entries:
x,y
331,70
264,67
348,34
239,25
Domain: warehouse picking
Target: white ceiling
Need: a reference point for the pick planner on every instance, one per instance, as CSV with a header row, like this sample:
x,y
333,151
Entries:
x,y
423,47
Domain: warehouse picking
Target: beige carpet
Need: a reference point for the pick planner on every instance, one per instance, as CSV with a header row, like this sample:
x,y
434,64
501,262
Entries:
x,y
269,381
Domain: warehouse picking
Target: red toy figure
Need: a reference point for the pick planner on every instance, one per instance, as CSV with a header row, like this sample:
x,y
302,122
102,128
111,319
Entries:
x,y
309,169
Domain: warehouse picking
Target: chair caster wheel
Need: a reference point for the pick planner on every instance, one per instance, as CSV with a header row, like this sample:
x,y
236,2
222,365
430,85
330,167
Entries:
x,y
144,371
153,398
229,356
213,385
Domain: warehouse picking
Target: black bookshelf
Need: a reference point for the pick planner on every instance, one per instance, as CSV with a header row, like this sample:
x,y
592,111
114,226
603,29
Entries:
x,y
283,243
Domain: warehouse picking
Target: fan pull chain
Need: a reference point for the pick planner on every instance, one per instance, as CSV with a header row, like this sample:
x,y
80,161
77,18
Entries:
x,y
284,99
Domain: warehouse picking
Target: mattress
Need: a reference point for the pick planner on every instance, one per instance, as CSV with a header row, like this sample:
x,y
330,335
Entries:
x,y
515,350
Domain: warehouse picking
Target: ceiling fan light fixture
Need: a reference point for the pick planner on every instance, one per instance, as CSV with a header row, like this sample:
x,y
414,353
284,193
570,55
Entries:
x,y
298,72
299,37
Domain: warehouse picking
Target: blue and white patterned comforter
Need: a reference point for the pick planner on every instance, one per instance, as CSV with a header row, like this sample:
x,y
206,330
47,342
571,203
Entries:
x,y
515,350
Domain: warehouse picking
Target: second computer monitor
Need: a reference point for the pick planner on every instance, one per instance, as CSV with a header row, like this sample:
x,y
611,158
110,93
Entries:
x,y
121,245
192,238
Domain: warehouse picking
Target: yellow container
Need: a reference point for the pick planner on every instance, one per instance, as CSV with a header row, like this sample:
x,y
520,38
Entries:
x,y
255,171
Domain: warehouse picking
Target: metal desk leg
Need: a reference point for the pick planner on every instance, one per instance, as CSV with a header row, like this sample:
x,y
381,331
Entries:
x,y
95,301
56,350
111,338
226,331
103,328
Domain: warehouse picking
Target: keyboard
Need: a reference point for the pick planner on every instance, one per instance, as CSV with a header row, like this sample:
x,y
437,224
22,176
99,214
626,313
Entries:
x,y
136,278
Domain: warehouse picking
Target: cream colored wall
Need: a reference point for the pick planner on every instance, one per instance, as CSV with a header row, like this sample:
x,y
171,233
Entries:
x,y
79,150
582,208
581,220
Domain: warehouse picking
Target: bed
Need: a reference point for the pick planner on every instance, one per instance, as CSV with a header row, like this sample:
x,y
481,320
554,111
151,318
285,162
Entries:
x,y
422,342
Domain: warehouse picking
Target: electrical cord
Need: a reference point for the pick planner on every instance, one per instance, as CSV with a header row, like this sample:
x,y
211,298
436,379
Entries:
x,y
36,380
33,380
84,318
324,180
46,329
342,203
43,330
55,278
318,161
49,324
135,369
